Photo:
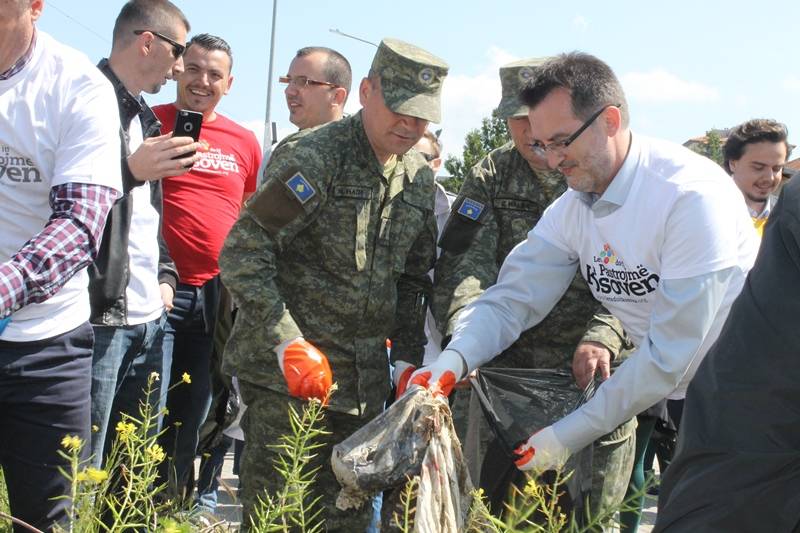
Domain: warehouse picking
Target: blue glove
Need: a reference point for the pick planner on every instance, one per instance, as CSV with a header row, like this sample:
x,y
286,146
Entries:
x,y
4,322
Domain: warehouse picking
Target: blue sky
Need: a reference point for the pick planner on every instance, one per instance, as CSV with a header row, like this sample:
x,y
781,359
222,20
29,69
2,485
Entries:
x,y
686,66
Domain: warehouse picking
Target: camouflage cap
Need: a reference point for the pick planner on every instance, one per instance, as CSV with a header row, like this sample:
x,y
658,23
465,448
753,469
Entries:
x,y
411,79
513,78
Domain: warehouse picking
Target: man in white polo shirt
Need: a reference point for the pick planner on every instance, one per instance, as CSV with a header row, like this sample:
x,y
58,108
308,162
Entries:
x,y
661,236
59,176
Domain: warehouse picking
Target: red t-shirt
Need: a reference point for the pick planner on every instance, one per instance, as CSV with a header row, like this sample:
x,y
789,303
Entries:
x,y
201,206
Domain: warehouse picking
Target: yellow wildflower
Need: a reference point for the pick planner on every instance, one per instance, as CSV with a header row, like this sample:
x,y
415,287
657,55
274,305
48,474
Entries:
x,y
186,378
125,429
156,453
93,475
154,376
95,428
72,443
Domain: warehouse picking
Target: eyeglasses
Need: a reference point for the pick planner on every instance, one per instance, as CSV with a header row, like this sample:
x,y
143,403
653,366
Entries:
x,y
428,157
177,48
559,146
301,82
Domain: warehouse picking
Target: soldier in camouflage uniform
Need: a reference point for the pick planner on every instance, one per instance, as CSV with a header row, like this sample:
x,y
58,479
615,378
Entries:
x,y
501,199
333,253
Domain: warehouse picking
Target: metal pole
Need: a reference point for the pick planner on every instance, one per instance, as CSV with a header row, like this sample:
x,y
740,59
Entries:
x,y
268,138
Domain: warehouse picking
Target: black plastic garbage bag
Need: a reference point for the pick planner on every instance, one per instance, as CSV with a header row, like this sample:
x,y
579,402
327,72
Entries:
x,y
517,403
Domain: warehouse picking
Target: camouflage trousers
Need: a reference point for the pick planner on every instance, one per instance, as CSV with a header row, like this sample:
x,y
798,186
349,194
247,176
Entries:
x,y
264,422
612,456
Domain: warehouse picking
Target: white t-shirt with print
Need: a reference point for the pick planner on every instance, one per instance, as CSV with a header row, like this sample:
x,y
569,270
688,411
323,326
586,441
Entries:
x,y
683,217
59,124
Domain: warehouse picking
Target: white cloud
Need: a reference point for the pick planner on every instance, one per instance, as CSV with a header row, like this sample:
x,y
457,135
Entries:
x,y
792,84
466,100
659,85
580,23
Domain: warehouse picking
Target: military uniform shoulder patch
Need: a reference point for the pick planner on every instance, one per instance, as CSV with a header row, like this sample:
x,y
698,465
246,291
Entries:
x,y
299,186
471,209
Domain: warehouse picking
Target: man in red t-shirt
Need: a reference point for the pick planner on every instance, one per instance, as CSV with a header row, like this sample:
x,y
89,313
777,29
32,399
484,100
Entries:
x,y
200,207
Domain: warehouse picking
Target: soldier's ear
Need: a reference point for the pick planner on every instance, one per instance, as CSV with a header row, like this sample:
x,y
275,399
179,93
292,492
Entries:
x,y
364,90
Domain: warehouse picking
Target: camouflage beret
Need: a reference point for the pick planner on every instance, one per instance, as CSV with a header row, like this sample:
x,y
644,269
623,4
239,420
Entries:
x,y
411,79
513,78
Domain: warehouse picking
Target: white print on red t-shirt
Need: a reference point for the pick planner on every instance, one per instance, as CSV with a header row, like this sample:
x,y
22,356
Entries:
x,y
215,162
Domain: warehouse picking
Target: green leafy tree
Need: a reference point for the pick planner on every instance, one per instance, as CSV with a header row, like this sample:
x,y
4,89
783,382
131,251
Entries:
x,y
492,134
711,147
714,146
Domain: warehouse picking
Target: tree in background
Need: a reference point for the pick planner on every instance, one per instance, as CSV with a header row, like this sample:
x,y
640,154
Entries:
x,y
710,145
492,134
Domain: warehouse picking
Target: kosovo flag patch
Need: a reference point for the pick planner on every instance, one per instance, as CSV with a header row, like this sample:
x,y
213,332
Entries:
x,y
301,188
471,209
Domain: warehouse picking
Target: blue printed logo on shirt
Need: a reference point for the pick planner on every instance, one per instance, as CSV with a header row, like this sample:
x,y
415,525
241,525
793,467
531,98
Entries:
x,y
301,188
470,209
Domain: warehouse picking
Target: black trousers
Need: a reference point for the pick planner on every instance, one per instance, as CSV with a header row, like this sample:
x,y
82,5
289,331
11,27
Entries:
x,y
44,395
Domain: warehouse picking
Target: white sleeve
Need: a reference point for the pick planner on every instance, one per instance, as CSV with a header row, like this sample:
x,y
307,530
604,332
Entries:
x,y
89,147
683,314
533,278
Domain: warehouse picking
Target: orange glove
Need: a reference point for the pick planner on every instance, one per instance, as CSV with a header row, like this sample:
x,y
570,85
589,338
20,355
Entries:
x,y
400,376
306,369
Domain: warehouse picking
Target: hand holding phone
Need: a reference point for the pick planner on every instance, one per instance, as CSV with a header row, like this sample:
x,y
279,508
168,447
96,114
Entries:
x,y
187,124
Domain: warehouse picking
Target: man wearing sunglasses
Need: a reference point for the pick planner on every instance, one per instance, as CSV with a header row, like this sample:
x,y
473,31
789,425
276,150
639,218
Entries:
x,y
133,280
317,86
329,259
660,234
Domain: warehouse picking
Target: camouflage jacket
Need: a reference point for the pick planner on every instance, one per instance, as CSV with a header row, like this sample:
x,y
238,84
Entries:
x,y
501,200
332,250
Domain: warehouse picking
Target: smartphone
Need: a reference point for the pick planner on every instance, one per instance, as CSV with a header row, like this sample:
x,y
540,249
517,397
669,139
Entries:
x,y
187,124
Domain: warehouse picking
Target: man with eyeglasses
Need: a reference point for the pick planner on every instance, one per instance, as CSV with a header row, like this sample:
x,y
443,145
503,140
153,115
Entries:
x,y
200,206
317,86
59,177
512,187
133,280
660,234
329,259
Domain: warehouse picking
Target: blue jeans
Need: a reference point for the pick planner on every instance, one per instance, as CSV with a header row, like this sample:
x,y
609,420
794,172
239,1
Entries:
x,y
208,478
123,359
44,396
188,336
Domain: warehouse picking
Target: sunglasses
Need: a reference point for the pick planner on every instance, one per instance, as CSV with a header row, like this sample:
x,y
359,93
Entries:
x,y
177,48
428,157
302,82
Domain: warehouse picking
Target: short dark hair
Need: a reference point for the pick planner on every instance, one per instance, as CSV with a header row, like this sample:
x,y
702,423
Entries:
x,y
155,15
753,131
337,68
212,42
591,84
